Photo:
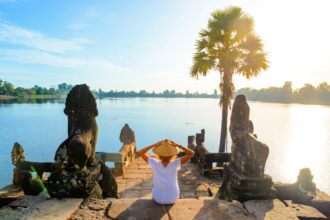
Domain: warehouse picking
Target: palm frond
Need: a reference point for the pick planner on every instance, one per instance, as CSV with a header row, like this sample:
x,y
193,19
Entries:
x,y
251,43
253,63
202,63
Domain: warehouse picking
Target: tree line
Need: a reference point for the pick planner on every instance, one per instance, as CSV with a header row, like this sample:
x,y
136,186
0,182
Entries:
x,y
165,94
8,89
308,94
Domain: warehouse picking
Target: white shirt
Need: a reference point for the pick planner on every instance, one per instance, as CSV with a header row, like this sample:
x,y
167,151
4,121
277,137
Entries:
x,y
165,181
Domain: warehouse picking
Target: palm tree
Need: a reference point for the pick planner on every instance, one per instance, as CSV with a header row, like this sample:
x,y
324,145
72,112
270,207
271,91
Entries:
x,y
230,46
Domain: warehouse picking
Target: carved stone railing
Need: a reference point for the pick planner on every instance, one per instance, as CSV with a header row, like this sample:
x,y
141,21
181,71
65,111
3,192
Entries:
x,y
204,158
126,153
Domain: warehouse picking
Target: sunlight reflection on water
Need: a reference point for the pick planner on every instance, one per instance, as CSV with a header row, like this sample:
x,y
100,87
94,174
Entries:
x,y
298,136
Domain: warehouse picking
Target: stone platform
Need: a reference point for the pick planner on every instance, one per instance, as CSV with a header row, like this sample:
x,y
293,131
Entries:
x,y
198,200
36,207
136,181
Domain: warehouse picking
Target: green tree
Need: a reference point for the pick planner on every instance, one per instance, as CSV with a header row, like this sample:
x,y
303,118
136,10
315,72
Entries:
x,y
7,88
229,46
1,87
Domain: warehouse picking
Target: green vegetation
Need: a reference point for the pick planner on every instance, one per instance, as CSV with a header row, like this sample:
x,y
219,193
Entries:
x,y
308,94
8,90
164,94
229,46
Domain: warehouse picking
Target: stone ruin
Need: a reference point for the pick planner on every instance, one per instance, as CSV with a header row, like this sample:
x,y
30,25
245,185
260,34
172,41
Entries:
x,y
17,155
302,191
244,177
192,146
128,149
127,135
200,147
75,172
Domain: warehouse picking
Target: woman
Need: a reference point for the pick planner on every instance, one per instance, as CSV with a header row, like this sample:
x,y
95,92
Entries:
x,y
165,169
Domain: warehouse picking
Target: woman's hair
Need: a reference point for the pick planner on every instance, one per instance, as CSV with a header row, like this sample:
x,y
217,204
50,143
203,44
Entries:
x,y
166,158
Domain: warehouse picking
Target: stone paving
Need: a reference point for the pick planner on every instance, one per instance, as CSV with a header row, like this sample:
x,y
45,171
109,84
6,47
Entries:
x,y
198,200
137,182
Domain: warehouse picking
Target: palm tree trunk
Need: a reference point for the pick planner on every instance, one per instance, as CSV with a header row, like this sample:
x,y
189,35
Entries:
x,y
223,134
224,118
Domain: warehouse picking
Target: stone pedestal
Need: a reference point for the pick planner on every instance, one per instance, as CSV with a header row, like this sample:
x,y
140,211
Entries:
x,y
242,187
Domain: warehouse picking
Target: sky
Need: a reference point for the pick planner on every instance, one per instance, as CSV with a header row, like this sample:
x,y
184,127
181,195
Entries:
x,y
148,45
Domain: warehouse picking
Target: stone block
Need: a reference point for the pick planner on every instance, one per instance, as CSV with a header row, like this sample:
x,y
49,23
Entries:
x,y
189,194
131,193
137,209
92,209
36,207
211,209
275,209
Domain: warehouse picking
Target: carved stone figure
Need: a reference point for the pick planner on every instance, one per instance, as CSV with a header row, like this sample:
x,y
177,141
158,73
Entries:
x,y
191,142
75,172
200,138
23,177
17,153
127,135
17,156
80,107
302,191
244,176
192,146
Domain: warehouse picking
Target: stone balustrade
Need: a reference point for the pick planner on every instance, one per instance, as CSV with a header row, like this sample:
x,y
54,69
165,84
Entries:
x,y
204,158
125,155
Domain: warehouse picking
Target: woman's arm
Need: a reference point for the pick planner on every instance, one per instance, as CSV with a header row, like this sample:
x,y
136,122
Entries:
x,y
189,154
143,151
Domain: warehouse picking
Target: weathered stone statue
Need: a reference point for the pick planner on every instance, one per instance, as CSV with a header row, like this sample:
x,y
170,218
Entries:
x,y
22,172
127,135
244,177
302,191
80,107
17,155
191,142
75,172
200,138
305,182
192,146
201,150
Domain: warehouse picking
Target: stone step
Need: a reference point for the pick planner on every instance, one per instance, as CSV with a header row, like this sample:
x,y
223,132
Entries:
x,y
37,207
185,209
275,209
9,194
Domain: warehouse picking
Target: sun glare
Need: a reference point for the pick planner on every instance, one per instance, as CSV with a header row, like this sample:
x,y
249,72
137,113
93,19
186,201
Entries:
x,y
305,146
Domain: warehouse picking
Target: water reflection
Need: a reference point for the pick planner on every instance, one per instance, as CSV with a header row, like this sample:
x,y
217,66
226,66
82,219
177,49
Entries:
x,y
298,136
29,101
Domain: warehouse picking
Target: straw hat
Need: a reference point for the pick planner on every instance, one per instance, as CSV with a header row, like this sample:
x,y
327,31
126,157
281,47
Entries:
x,y
166,149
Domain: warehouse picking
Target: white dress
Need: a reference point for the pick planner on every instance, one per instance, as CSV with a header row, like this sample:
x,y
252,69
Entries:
x,y
165,181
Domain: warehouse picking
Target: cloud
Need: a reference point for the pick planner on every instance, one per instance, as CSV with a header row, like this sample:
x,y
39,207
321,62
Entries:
x,y
15,35
39,57
28,46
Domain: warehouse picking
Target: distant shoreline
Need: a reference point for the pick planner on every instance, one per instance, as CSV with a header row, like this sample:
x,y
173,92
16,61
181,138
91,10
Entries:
x,y
212,97
7,97
50,97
